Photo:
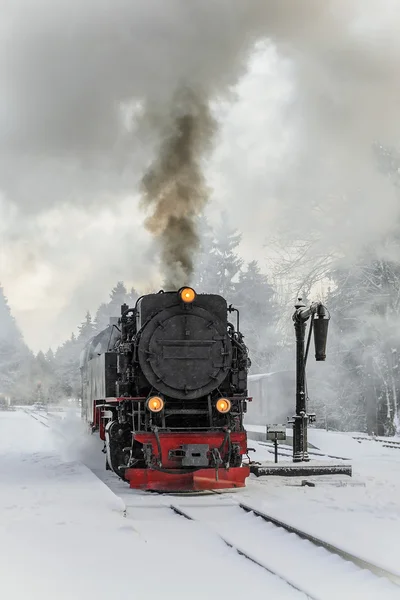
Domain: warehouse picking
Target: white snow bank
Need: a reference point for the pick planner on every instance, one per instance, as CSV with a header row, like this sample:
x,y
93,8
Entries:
x,y
337,443
63,535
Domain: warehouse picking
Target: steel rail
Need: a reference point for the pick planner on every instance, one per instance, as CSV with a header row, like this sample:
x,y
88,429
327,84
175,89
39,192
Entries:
x,y
310,452
358,561
247,555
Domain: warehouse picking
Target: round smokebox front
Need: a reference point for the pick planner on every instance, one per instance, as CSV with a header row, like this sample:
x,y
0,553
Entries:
x,y
185,354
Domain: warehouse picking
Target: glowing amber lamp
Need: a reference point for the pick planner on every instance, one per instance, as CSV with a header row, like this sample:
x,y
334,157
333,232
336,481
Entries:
x,y
187,294
155,404
223,405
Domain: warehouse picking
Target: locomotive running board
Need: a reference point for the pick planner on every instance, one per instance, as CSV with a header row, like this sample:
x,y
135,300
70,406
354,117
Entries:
x,y
202,479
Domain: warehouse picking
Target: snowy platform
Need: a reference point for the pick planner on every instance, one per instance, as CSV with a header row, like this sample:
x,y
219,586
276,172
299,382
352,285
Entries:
x,y
64,534
301,469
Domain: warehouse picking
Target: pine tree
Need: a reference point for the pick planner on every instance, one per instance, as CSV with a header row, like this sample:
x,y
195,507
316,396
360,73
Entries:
x,y
224,263
67,357
86,329
118,296
255,299
50,358
365,341
102,317
68,373
15,357
204,257
8,330
44,378
132,297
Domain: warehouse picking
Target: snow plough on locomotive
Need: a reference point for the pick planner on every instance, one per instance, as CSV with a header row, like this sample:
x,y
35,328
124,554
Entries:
x,y
165,388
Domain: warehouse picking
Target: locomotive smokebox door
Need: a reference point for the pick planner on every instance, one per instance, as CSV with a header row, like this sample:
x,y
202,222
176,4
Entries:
x,y
185,352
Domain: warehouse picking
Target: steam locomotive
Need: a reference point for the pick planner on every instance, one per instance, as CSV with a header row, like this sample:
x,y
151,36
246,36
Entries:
x,y
165,388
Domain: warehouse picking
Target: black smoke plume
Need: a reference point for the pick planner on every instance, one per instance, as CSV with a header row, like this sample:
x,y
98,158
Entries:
x,y
174,186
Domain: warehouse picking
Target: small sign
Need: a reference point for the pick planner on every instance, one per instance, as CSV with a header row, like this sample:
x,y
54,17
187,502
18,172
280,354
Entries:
x,y
276,432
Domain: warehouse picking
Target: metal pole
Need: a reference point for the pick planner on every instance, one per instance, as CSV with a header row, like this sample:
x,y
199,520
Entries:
x,y
300,420
320,324
276,449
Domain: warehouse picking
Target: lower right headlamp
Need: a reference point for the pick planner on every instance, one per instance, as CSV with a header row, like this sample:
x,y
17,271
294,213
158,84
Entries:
x,y
155,404
223,405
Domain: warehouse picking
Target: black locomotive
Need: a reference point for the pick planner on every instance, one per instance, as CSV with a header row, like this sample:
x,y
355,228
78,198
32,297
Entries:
x,y
165,384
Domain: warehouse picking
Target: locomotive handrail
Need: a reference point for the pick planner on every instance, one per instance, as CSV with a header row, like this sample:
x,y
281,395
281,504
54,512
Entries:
x,y
231,309
111,332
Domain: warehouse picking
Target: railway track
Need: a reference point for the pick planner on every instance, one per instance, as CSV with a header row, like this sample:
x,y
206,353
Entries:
x,y
313,567
45,419
288,451
42,418
157,523
393,445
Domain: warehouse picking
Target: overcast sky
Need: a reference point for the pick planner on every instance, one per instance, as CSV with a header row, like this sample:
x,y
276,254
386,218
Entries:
x,y
292,152
76,258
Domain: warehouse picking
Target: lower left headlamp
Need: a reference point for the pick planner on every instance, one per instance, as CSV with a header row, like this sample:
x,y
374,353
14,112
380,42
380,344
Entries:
x,y
155,404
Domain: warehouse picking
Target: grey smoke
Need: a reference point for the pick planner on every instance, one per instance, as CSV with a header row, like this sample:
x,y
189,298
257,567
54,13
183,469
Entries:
x,y
174,185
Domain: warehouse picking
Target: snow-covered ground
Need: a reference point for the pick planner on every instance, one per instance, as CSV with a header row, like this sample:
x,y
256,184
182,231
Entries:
x,y
65,534
359,513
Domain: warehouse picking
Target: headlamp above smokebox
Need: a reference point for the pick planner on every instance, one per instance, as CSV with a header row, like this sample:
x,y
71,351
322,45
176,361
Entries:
x,y
184,298
187,295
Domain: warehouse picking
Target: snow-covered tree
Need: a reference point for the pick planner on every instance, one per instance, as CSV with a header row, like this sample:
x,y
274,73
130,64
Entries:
x,y
102,317
68,354
255,298
365,339
204,257
68,373
132,297
118,297
44,378
219,273
16,360
86,329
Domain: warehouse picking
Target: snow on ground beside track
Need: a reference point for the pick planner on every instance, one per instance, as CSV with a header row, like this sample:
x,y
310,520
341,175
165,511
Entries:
x,y
360,514
63,534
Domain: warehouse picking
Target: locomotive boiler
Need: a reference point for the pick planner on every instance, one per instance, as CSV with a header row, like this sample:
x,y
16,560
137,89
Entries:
x,y
165,387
